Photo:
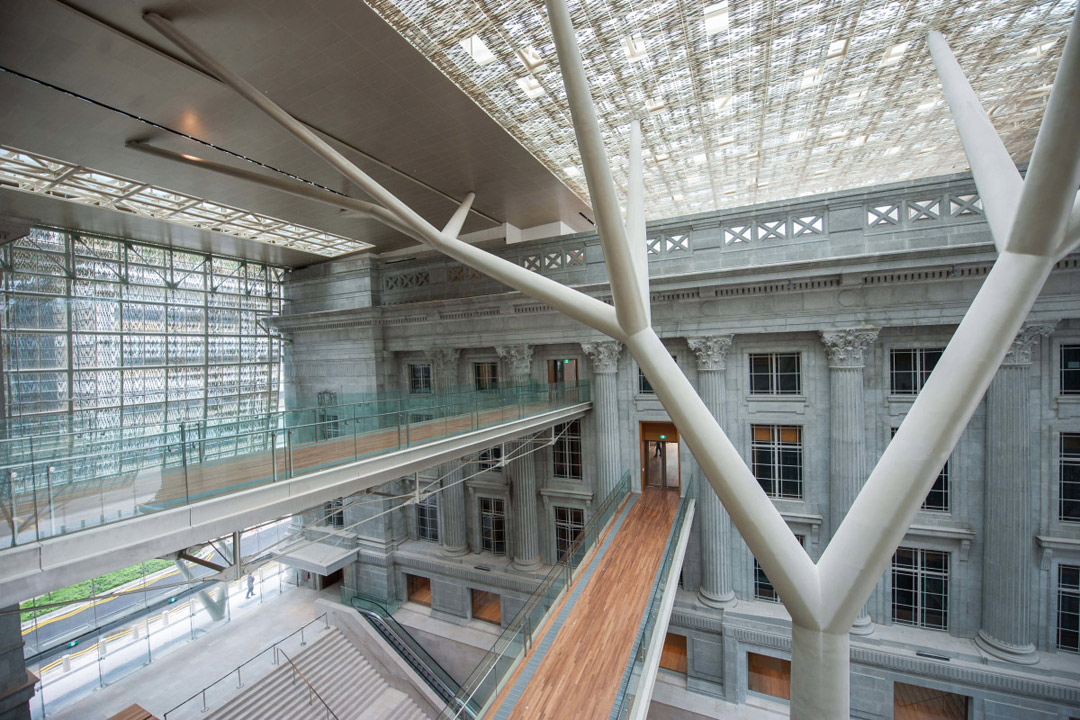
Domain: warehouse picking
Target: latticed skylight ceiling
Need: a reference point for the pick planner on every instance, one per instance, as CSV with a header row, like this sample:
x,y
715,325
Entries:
x,y
747,102
33,173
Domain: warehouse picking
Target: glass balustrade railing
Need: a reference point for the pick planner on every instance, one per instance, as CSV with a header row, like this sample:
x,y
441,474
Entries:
x,y
485,683
59,483
629,686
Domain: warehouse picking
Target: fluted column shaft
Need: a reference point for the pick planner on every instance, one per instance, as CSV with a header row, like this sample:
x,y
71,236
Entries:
x,y
452,504
1008,553
716,588
521,471
605,399
848,460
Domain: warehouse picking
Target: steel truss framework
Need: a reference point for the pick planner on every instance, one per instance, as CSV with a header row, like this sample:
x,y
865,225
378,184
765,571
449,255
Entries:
x,y
1034,221
103,334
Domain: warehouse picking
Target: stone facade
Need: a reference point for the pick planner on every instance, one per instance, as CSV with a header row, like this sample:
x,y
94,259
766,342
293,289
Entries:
x,y
850,296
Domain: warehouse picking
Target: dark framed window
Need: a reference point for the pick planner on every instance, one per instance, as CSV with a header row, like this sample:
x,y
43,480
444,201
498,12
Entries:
x,y
776,452
569,522
775,374
909,369
335,515
763,587
920,588
1068,614
566,453
1069,478
490,459
420,379
486,375
643,385
493,525
937,499
1070,369
427,518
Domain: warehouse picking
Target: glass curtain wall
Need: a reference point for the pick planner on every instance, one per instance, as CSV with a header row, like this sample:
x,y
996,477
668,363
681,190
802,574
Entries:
x,y
100,334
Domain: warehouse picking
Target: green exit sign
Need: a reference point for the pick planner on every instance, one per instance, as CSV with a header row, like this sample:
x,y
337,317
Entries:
x,y
663,437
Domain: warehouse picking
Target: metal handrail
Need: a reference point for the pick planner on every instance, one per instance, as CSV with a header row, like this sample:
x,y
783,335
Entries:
x,y
562,571
310,686
238,668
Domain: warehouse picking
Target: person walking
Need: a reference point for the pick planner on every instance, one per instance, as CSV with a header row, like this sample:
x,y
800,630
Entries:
x,y
251,586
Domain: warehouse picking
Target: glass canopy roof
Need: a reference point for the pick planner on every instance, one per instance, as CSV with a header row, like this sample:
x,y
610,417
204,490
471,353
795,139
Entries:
x,y
34,173
747,102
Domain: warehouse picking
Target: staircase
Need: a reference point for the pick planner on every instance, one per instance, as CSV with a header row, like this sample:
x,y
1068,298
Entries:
x,y
345,680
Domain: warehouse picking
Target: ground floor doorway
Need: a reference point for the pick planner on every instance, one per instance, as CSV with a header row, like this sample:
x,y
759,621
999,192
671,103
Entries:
x,y
659,455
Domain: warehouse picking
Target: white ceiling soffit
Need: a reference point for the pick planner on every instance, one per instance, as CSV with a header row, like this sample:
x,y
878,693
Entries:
x,y
41,175
748,102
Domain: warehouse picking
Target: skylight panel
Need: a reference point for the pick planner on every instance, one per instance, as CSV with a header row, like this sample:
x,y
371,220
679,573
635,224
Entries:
x,y
716,18
634,47
477,50
530,86
894,54
811,77
721,102
1041,49
655,105
837,49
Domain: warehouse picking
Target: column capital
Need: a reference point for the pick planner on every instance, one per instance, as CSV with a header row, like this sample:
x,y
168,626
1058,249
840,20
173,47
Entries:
x,y
845,346
519,358
1019,352
604,355
710,351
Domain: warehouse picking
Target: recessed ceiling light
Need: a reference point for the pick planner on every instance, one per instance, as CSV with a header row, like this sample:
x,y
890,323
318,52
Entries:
x,y
1041,48
716,18
661,156
894,54
530,86
837,49
571,170
634,47
811,77
700,158
477,50
721,102
530,58
725,141
655,105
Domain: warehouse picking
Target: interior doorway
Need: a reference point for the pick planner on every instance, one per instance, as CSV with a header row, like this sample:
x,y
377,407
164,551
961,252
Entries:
x,y
659,455
562,371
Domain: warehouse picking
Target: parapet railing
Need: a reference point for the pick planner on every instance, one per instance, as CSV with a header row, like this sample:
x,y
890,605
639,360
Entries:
x,y
185,709
59,483
404,644
494,670
628,688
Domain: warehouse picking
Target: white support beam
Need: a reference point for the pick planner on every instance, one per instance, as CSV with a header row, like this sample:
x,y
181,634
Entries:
x,y
584,308
453,227
298,189
617,253
1054,171
997,178
635,220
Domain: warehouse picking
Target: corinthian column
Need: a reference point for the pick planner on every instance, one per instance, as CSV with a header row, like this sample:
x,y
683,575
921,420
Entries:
x,y
1010,470
521,471
605,367
519,358
715,590
452,535
848,461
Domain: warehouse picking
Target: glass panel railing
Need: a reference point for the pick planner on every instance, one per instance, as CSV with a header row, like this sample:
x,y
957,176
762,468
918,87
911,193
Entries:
x,y
628,688
64,482
494,670
406,646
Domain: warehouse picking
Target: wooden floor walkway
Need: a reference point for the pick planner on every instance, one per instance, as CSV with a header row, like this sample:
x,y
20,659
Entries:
x,y
580,674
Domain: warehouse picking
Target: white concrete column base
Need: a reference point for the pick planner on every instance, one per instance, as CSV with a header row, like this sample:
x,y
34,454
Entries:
x,y
527,565
1023,655
448,551
725,601
863,625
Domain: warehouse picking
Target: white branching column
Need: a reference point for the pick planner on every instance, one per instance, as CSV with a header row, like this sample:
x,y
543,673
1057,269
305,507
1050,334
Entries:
x,y
848,460
452,532
715,590
605,399
1010,471
521,471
